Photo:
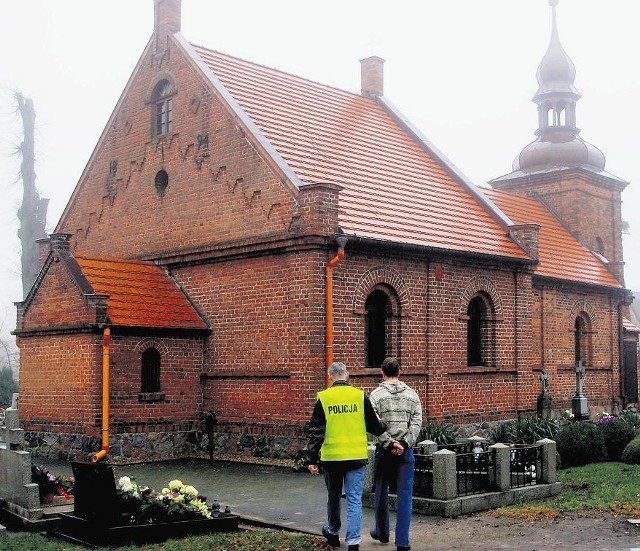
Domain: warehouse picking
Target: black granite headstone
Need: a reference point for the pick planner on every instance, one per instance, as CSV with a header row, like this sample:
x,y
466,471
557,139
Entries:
x,y
95,494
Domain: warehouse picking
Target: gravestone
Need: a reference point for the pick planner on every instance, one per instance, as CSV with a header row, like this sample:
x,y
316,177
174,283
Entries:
x,y
95,497
544,404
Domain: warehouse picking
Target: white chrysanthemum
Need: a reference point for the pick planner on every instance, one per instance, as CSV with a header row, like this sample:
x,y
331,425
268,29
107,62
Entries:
x,y
189,491
175,485
124,480
165,491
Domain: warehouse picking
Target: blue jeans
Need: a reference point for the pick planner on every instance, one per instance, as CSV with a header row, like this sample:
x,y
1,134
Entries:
x,y
335,476
389,468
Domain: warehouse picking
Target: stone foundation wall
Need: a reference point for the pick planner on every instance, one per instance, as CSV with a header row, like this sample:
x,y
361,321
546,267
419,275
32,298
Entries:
x,y
160,446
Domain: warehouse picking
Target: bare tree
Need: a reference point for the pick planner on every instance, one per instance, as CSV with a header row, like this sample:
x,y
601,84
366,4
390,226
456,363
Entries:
x,y
9,354
33,210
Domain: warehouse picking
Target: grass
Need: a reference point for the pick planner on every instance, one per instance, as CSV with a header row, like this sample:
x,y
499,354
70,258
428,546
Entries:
x,y
245,540
611,488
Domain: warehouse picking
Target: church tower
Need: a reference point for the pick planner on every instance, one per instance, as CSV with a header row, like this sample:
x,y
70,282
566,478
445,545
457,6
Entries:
x,y
562,170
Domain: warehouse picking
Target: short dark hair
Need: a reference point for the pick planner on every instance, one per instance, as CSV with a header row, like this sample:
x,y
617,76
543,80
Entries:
x,y
390,367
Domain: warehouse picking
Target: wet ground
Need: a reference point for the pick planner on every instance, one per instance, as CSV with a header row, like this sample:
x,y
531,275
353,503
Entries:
x,y
279,497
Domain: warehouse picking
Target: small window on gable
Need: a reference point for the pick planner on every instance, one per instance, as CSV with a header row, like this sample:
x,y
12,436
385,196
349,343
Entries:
x,y
161,182
480,331
582,340
163,105
150,371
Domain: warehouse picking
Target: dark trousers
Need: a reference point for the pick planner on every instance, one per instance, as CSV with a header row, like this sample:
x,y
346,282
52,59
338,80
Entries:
x,y
397,471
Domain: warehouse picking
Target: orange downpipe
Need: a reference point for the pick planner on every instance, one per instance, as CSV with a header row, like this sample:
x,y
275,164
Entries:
x,y
106,342
329,306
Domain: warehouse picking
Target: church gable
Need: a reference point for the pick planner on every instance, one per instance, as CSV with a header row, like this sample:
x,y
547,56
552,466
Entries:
x,y
56,301
173,171
73,293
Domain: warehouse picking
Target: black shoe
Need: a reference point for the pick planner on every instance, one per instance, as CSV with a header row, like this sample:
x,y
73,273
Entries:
x,y
379,538
355,547
332,539
403,548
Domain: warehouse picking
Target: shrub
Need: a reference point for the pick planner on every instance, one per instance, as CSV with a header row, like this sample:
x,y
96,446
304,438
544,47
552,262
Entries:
x,y
631,418
526,431
503,433
440,433
580,443
616,434
631,453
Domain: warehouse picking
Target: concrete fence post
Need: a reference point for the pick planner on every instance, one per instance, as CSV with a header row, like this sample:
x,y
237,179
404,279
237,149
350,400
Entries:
x,y
426,447
368,477
445,477
502,460
548,474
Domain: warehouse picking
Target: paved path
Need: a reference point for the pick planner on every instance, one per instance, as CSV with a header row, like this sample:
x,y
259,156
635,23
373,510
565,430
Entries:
x,y
280,497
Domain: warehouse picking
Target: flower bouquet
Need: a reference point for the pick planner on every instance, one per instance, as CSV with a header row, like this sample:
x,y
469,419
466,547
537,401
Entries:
x,y
50,485
177,502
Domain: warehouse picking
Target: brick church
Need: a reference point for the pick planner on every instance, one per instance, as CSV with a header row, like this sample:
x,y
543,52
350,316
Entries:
x,y
237,228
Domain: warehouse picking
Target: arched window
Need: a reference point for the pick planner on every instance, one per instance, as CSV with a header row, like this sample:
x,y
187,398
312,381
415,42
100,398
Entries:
x,y
480,331
377,328
163,105
150,370
582,340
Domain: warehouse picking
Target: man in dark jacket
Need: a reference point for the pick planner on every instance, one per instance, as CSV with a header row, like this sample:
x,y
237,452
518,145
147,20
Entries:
x,y
341,418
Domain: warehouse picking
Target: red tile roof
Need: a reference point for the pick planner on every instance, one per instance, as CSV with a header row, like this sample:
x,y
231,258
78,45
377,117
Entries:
x,y
140,294
393,188
561,256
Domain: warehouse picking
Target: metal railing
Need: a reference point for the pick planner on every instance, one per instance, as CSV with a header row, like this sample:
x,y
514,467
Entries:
x,y
423,475
486,469
525,465
475,472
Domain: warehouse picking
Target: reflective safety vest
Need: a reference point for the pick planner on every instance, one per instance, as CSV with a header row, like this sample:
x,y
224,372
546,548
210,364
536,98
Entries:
x,y
345,434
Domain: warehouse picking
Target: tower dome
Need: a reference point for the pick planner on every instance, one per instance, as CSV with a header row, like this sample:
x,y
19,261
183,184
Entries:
x,y
557,144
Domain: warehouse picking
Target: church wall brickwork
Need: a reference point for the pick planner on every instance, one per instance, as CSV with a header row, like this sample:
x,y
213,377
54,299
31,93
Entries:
x,y
265,354
59,383
554,344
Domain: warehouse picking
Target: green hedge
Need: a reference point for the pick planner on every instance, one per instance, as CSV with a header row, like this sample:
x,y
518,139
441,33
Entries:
x,y
580,443
631,453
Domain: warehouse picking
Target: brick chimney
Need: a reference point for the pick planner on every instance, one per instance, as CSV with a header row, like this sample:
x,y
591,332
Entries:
x,y
528,237
167,15
372,76
59,242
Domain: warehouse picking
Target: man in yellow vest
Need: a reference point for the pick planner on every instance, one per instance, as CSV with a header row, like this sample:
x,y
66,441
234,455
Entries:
x,y
341,418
